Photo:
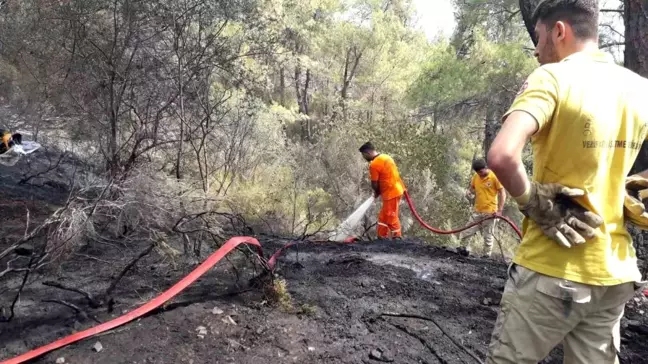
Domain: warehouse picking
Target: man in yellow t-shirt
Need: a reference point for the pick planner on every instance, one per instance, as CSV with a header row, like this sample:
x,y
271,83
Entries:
x,y
489,199
587,118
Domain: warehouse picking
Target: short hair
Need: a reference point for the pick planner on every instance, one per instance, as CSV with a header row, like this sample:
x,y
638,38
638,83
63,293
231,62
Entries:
x,y
478,164
366,147
582,15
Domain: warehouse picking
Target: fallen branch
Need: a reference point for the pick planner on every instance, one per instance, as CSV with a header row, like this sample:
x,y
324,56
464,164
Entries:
x,y
27,220
92,258
422,340
366,231
9,250
15,246
121,275
20,289
10,269
91,300
74,307
113,331
403,315
26,178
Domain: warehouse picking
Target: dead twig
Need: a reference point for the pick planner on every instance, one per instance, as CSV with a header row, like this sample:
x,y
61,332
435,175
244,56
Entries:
x,y
27,221
92,258
422,340
130,265
20,289
26,178
9,250
113,331
366,231
11,269
94,303
75,308
458,344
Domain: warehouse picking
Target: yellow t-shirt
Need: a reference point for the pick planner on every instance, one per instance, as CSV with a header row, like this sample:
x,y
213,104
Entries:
x,y
592,117
486,192
383,170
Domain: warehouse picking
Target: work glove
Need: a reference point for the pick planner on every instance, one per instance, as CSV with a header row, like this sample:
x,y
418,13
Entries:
x,y
634,208
558,216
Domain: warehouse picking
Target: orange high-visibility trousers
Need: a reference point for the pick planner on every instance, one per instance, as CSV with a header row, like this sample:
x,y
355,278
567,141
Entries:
x,y
388,221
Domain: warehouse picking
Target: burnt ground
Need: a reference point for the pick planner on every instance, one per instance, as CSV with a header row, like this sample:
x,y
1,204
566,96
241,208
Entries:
x,y
332,312
337,295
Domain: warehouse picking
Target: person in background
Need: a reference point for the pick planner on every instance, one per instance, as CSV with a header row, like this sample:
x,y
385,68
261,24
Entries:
x,y
490,197
386,184
576,267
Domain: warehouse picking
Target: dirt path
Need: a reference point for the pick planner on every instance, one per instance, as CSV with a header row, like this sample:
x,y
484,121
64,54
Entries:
x,y
338,293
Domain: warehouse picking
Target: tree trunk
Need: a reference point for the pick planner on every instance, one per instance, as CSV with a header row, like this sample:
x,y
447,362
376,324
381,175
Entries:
x,y
309,131
113,112
301,93
282,87
176,46
636,59
491,127
636,30
636,54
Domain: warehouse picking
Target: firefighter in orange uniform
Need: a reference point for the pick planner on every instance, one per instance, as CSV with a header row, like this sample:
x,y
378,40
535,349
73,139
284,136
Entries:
x,y
386,183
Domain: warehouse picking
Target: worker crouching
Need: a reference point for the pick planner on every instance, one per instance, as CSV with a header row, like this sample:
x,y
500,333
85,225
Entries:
x,y
386,184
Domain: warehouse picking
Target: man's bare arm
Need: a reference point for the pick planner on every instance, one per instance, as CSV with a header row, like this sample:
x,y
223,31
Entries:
x,y
376,188
501,199
505,154
470,191
643,174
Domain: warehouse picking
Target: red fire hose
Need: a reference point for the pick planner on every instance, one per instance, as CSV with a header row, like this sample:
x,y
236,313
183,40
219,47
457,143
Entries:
x,y
273,259
147,307
446,232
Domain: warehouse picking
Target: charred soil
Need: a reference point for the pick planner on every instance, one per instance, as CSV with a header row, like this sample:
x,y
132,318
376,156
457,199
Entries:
x,y
341,304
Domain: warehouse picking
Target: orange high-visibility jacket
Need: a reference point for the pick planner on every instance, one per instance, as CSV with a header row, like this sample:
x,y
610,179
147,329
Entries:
x,y
383,170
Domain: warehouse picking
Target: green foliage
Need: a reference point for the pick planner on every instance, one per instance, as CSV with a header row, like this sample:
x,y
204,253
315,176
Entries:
x,y
281,205
263,103
492,68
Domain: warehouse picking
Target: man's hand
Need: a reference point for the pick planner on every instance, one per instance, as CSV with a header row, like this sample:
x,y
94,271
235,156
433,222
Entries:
x,y
634,205
551,207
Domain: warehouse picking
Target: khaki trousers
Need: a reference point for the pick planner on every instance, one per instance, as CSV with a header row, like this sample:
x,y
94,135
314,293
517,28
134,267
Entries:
x,y
538,312
487,229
